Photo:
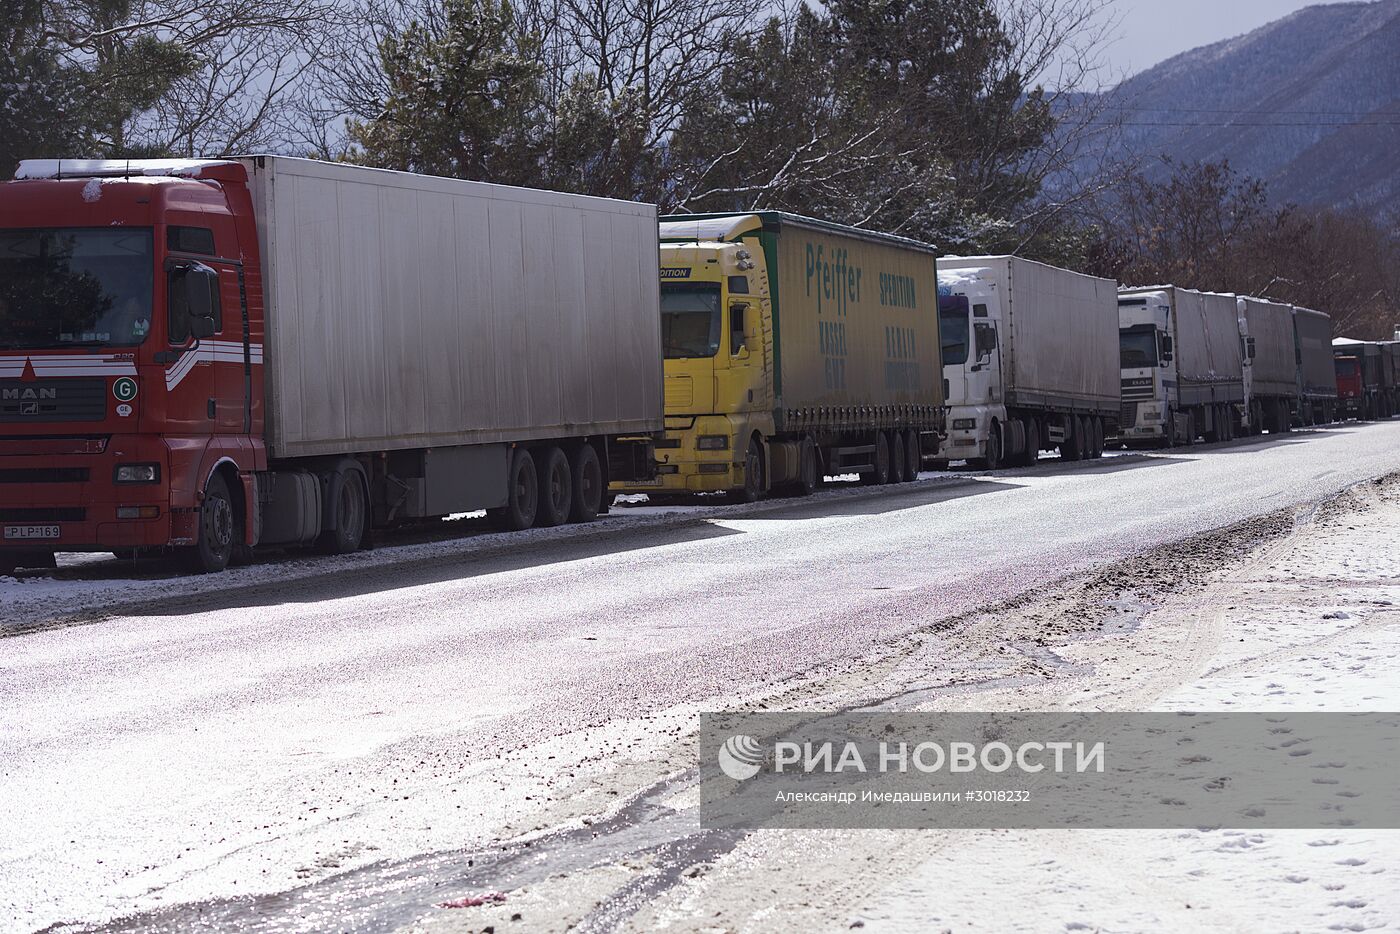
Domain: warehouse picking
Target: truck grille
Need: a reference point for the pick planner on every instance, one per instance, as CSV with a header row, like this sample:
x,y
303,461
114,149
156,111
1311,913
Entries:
x,y
41,514
1138,387
53,400
43,475
1128,417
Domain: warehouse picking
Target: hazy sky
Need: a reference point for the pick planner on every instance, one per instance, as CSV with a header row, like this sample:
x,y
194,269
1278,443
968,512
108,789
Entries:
x,y
1153,30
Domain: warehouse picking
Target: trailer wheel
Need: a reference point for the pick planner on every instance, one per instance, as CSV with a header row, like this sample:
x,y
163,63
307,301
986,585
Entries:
x,y
1071,449
588,485
556,489
879,474
217,525
898,457
1098,437
914,456
523,495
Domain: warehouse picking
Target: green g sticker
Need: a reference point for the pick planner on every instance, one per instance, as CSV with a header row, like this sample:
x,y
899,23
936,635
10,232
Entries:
x,y
124,389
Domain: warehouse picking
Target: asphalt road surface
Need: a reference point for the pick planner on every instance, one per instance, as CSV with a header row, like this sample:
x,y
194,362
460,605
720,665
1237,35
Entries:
x,y
202,742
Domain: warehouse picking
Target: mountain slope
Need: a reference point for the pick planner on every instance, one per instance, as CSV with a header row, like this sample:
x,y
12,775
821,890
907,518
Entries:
x,y
1310,103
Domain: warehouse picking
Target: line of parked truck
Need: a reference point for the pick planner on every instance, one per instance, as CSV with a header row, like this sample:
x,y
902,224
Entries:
x,y
202,357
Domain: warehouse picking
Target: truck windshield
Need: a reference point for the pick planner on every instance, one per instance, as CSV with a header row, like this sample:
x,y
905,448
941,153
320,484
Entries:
x,y
75,287
690,320
1346,366
952,328
1137,347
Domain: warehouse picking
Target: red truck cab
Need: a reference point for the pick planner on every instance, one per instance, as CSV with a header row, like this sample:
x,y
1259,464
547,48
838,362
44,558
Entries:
x,y
131,331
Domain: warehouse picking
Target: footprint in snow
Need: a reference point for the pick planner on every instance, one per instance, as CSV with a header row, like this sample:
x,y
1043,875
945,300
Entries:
x,y
1351,861
1332,842
1295,878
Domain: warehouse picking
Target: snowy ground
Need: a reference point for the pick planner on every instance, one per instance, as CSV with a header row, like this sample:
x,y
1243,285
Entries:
x,y
344,743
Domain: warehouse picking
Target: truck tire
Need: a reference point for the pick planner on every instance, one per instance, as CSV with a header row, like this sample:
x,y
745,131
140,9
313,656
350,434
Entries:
x,y
216,527
345,494
588,484
879,474
1031,456
1098,437
556,497
914,454
523,494
898,457
753,475
994,451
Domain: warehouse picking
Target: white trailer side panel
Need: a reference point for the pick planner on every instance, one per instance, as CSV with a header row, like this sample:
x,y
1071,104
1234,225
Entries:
x,y
407,311
1061,347
1275,358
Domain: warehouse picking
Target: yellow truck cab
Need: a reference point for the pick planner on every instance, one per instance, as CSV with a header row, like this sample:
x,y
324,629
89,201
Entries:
x,y
794,349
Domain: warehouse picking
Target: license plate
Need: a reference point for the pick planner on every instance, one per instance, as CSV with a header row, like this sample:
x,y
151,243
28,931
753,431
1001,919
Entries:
x,y
31,531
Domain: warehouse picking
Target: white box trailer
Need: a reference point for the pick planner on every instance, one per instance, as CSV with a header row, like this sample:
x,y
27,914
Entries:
x,y
1272,358
1182,365
408,311
1031,358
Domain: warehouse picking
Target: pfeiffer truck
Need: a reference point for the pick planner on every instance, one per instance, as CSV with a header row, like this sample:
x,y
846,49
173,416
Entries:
x,y
1182,365
795,349
1030,353
1271,361
205,355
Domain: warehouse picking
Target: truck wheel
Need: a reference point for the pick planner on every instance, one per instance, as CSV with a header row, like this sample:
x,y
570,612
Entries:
x,y
809,471
879,475
994,449
217,526
588,485
1098,437
345,494
556,489
1031,456
898,457
915,457
753,475
523,495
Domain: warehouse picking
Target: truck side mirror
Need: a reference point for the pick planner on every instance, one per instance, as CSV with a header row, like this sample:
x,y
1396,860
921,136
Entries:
x,y
193,292
1250,343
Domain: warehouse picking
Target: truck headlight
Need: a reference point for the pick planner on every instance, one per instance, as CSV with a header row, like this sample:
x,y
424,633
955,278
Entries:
x,y
712,443
964,424
137,473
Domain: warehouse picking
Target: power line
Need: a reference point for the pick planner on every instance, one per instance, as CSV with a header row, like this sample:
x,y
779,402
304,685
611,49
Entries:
x,y
1239,123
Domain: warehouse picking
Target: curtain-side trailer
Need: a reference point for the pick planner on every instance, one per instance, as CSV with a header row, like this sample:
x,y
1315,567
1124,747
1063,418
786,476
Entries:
x,y
795,349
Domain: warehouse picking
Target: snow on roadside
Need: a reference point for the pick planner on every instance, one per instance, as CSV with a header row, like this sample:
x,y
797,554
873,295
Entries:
x,y
1315,628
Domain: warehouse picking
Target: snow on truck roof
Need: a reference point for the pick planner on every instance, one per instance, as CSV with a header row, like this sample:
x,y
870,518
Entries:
x,y
118,168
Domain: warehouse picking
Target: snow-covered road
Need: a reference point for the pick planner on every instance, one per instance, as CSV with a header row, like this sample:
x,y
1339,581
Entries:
x,y
174,740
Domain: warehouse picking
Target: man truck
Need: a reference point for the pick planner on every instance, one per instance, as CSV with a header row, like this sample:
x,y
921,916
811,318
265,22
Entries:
x,y
1030,354
208,356
1182,365
795,349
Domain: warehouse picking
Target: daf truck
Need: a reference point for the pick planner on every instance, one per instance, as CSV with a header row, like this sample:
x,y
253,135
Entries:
x,y
1030,354
795,349
1182,366
209,356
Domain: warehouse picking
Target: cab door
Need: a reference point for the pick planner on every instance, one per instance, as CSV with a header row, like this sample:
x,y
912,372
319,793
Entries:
x,y
984,360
